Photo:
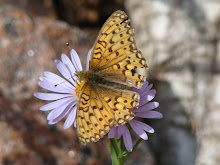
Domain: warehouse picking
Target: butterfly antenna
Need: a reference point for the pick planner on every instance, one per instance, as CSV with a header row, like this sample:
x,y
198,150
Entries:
x,y
68,45
55,85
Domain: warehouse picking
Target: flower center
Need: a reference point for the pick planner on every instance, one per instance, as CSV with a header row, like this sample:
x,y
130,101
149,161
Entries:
x,y
79,85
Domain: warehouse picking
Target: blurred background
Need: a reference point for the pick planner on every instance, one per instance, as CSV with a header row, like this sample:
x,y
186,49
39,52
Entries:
x,y
181,42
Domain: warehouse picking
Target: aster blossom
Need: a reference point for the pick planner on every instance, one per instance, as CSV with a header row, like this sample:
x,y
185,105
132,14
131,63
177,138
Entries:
x,y
63,90
145,110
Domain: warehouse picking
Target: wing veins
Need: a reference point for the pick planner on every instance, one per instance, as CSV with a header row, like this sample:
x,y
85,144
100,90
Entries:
x,y
113,53
102,99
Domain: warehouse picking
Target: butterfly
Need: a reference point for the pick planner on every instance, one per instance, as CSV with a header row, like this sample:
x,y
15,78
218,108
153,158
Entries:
x,y
105,98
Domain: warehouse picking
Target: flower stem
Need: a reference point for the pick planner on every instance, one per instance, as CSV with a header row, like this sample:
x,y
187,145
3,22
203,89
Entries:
x,y
116,152
134,147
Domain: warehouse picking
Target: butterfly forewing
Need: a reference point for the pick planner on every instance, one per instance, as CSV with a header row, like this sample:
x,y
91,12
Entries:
x,y
115,51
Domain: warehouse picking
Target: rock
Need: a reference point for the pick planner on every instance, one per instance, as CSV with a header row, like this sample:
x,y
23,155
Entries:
x,y
86,13
32,7
180,40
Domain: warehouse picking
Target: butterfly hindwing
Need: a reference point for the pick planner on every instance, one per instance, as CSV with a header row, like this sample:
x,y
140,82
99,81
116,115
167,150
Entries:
x,y
90,124
100,108
115,52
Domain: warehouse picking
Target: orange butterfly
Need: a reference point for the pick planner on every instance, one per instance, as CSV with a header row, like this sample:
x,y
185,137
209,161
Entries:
x,y
105,98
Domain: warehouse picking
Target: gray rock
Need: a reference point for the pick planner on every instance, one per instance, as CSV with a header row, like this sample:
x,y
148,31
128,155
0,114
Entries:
x,y
180,40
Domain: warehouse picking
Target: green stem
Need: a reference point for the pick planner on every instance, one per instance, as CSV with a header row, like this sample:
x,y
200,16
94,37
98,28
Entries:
x,y
115,145
134,147
120,147
116,152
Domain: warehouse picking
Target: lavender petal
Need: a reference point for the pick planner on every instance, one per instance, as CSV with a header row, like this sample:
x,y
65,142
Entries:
x,y
54,121
143,126
55,79
64,71
145,99
58,110
51,87
41,78
50,122
59,80
76,60
127,140
64,84
70,119
136,126
147,107
88,59
52,96
67,62
146,90
149,115
113,132
55,104
53,76
121,130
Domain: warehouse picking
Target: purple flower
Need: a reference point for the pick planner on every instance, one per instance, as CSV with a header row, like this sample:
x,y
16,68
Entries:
x,y
145,110
63,90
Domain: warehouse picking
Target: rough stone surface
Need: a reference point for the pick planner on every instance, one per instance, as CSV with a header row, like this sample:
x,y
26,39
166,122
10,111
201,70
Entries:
x,y
86,13
83,13
33,7
180,40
